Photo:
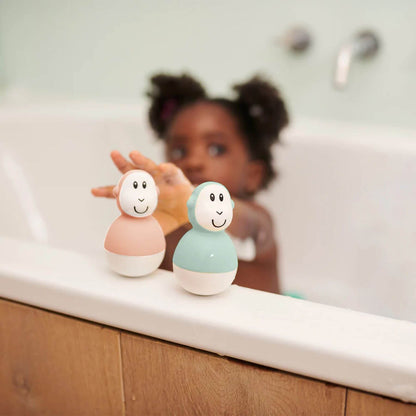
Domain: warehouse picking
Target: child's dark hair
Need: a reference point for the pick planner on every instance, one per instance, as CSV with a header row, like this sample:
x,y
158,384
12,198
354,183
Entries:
x,y
258,109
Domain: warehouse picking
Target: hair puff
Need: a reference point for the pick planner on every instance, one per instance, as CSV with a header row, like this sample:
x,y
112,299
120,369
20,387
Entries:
x,y
168,94
263,106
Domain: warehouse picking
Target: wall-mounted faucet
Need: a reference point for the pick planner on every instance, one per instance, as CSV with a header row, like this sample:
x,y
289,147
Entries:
x,y
364,44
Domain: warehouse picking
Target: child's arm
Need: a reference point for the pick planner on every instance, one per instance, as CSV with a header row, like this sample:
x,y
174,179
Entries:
x,y
174,188
253,221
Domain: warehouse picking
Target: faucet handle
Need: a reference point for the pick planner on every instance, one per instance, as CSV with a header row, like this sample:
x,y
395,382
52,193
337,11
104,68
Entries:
x,y
366,43
363,45
296,39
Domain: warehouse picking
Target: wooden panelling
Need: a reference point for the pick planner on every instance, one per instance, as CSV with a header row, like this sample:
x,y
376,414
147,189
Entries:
x,y
55,365
360,403
183,381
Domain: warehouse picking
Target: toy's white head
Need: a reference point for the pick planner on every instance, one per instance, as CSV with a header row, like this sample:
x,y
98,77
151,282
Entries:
x,y
137,194
213,207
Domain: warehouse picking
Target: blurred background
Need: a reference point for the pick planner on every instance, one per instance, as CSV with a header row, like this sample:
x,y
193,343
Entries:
x,y
107,49
72,80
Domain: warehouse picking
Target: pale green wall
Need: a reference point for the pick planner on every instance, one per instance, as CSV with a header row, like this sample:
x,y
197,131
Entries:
x,y
108,48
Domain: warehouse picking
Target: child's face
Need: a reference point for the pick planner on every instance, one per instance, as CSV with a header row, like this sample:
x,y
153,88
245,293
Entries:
x,y
204,141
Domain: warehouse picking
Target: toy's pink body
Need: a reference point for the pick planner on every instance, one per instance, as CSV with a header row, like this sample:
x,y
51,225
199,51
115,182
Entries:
x,y
130,236
135,243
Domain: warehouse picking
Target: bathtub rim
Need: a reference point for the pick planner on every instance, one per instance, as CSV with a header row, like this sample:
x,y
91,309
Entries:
x,y
314,340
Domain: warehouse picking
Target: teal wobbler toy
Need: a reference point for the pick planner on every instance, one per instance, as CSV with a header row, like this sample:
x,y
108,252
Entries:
x,y
205,260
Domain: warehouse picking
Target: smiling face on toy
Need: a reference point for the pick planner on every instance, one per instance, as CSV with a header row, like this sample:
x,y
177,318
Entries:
x,y
214,207
137,194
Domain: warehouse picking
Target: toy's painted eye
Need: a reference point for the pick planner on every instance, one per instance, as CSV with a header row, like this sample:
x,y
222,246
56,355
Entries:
x,y
221,197
135,184
144,184
212,197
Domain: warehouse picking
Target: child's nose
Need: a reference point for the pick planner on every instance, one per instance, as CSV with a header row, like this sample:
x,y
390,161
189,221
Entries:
x,y
195,160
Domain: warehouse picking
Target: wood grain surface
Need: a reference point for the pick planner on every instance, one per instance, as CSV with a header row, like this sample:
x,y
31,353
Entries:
x,y
183,381
360,403
52,364
55,365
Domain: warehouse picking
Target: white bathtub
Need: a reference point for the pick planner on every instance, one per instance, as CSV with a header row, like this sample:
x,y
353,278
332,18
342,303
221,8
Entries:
x,y
344,211
344,205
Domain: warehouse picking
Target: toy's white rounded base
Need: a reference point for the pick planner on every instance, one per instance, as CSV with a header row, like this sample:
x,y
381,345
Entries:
x,y
203,283
134,266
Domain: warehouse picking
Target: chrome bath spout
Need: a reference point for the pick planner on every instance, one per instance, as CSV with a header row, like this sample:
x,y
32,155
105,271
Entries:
x,y
364,45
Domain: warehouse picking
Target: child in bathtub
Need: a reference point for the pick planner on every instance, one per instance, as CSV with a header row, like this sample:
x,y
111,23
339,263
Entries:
x,y
215,139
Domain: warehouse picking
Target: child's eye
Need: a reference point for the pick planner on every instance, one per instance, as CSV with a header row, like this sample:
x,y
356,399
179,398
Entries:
x,y
216,150
178,153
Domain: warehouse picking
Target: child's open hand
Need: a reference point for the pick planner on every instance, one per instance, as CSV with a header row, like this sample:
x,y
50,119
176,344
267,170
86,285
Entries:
x,y
174,188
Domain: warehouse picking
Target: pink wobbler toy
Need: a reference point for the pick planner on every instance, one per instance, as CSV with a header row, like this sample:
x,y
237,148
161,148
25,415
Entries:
x,y
135,243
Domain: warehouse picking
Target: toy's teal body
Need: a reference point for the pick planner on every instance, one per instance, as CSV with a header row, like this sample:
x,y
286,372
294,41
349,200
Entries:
x,y
205,251
201,250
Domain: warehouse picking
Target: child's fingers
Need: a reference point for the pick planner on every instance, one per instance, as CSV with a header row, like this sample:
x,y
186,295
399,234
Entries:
x,y
172,174
168,171
142,162
123,165
103,191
